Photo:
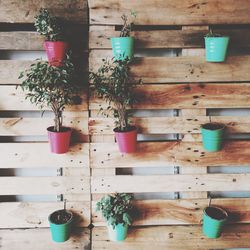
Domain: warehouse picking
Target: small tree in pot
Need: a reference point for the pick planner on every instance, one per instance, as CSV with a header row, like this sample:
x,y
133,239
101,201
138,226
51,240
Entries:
x,y
123,46
117,211
50,27
113,83
53,87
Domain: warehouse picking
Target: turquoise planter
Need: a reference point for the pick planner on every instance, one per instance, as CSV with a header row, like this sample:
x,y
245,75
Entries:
x,y
123,47
212,137
119,233
214,219
216,48
60,232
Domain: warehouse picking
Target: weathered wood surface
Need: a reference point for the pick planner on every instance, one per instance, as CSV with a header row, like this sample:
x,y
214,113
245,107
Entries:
x,y
154,39
173,237
170,183
184,96
162,154
164,125
181,69
14,12
181,212
25,155
44,185
14,99
40,239
35,214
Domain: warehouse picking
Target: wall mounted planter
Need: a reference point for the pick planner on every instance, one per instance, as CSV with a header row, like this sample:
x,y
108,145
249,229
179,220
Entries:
x,y
214,219
56,52
122,47
119,233
126,140
212,136
59,141
216,48
60,225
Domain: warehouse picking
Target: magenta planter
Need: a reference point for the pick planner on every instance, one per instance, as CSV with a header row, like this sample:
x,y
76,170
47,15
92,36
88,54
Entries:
x,y
59,141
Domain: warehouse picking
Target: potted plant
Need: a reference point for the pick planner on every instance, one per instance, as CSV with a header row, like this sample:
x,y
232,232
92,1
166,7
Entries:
x,y
214,219
53,87
61,224
123,46
216,47
212,136
50,27
113,83
117,211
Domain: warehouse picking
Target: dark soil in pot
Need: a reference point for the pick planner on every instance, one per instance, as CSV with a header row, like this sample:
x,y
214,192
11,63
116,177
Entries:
x,y
213,126
63,129
130,128
216,213
60,217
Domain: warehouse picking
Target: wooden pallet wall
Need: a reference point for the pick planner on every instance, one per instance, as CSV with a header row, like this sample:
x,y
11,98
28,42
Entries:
x,y
24,225
192,86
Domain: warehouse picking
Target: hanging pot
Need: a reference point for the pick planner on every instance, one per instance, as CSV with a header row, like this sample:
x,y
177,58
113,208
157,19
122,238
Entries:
x,y
119,233
123,47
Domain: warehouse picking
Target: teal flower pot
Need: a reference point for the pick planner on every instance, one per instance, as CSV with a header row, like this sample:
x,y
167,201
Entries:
x,y
212,136
123,47
60,232
214,219
119,233
216,48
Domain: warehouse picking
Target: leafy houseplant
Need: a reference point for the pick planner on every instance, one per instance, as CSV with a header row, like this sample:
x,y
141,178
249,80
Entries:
x,y
61,224
117,211
113,83
123,46
50,27
216,47
53,87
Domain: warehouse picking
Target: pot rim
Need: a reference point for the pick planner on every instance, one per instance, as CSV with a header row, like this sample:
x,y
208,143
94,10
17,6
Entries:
x,y
69,221
218,208
67,131
217,37
133,128
218,123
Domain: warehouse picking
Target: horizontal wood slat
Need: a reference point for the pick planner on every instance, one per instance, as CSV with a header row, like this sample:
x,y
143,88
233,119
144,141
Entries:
x,y
170,183
165,125
35,214
25,155
173,237
40,239
14,99
159,39
184,96
182,69
14,12
44,185
167,12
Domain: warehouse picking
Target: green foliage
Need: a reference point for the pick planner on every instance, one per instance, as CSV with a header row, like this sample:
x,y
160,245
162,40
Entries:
x,y
212,34
48,26
127,27
113,83
50,86
116,208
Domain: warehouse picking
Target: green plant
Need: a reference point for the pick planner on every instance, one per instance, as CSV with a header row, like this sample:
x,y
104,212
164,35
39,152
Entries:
x,y
116,208
49,86
127,27
212,34
48,26
113,83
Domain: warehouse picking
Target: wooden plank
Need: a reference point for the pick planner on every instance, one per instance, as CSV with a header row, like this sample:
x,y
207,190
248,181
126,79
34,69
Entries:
x,y
165,12
181,212
44,185
25,155
173,237
170,183
14,12
35,214
173,153
185,96
156,39
181,69
168,125
14,99
28,239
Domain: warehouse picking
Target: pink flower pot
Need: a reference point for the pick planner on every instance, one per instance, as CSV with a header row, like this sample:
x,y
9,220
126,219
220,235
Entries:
x,y
126,140
56,52
59,141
